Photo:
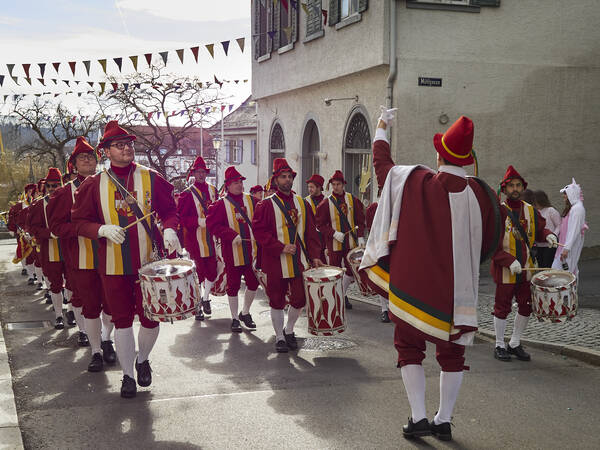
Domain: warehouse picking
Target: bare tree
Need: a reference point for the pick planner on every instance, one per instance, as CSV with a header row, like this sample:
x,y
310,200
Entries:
x,y
165,112
53,126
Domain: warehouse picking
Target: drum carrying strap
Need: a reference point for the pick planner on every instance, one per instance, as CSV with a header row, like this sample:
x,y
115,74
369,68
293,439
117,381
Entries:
x,y
239,209
515,221
200,199
285,210
343,218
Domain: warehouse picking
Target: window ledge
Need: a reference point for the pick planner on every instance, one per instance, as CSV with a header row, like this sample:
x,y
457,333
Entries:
x,y
444,7
264,57
356,17
314,36
286,48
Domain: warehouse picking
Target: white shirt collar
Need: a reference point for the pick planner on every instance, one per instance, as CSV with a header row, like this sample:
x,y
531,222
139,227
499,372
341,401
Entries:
x,y
453,170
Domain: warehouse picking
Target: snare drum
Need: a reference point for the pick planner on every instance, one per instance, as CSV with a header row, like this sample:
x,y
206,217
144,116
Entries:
x,y
170,289
325,306
353,259
554,296
219,287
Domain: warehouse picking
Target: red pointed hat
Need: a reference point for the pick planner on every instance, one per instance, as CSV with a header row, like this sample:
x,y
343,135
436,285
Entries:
x,y
456,144
280,165
113,131
53,175
199,163
511,173
317,180
231,175
81,146
257,188
337,176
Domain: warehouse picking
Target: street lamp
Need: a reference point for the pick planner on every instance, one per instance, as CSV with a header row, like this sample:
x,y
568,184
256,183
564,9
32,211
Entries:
x,y
217,146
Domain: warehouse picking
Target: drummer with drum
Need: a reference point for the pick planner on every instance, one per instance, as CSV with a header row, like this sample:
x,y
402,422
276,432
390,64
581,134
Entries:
x,y
341,221
284,226
104,205
523,226
192,209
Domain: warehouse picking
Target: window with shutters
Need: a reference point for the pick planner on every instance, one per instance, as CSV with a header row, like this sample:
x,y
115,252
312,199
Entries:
x,y
276,144
263,15
314,23
238,155
253,151
454,5
286,25
345,12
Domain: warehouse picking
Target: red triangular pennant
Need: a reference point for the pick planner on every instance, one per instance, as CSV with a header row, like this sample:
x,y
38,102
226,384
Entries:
x,y
195,52
26,69
72,65
41,80
148,57
56,66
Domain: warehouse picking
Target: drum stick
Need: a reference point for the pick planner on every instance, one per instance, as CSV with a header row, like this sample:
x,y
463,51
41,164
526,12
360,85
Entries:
x,y
533,269
350,231
139,220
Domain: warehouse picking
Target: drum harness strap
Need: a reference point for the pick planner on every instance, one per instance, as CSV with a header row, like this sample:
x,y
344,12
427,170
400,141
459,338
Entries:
x,y
343,218
200,199
285,210
515,221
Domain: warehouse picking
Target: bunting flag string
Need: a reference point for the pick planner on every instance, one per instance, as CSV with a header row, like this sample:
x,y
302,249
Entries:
x,y
134,60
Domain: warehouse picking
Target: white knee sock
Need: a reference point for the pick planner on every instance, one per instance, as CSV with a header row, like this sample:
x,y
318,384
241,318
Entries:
x,y
107,326
518,329
68,294
248,299
146,340
207,287
233,305
125,348
277,318
79,318
449,386
346,282
384,304
39,274
413,377
92,327
293,315
23,264
57,302
500,328
30,270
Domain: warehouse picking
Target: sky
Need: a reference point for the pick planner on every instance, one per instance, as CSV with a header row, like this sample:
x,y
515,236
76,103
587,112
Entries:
x,y
38,31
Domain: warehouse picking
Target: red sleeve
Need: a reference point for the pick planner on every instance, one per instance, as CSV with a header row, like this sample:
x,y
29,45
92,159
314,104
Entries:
x,y
382,160
59,213
263,227
84,214
323,219
37,224
502,258
163,202
217,224
186,209
312,240
13,212
359,216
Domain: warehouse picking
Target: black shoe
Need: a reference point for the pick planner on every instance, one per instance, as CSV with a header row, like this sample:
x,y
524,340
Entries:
x,y
39,287
347,302
30,281
247,319
108,352
441,431
128,388
518,351
59,324
290,340
24,272
206,307
96,363
235,326
281,346
199,314
501,354
385,317
83,340
70,316
411,430
144,373
48,298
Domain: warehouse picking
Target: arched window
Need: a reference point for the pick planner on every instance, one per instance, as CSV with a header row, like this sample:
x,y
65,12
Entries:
x,y
357,156
276,145
311,146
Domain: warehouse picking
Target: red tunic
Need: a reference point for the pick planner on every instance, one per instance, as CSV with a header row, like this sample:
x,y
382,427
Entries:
x,y
188,216
38,228
323,219
13,213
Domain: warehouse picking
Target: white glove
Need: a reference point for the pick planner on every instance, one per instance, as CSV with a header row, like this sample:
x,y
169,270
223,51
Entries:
x,y
113,233
27,236
236,240
551,239
338,236
387,115
202,222
361,241
53,236
515,267
171,241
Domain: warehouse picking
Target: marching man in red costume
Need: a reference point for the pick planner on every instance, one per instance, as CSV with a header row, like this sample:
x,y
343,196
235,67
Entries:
x,y
284,227
257,192
523,225
192,208
32,261
230,219
106,203
81,255
429,233
315,196
341,221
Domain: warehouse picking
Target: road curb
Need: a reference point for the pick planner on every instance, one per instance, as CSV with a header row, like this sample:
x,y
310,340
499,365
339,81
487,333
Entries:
x,y
586,355
10,432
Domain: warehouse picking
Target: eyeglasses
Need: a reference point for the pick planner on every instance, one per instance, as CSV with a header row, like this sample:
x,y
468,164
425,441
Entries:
x,y
86,156
122,145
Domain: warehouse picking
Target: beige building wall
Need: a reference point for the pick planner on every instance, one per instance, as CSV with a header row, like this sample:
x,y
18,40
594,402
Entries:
x,y
527,73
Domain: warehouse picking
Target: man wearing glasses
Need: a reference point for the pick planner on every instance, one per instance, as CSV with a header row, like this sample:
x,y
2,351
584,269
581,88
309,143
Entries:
x,y
81,255
104,205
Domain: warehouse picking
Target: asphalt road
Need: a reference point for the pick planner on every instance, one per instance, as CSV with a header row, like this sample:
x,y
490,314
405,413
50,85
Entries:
x,y
212,389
